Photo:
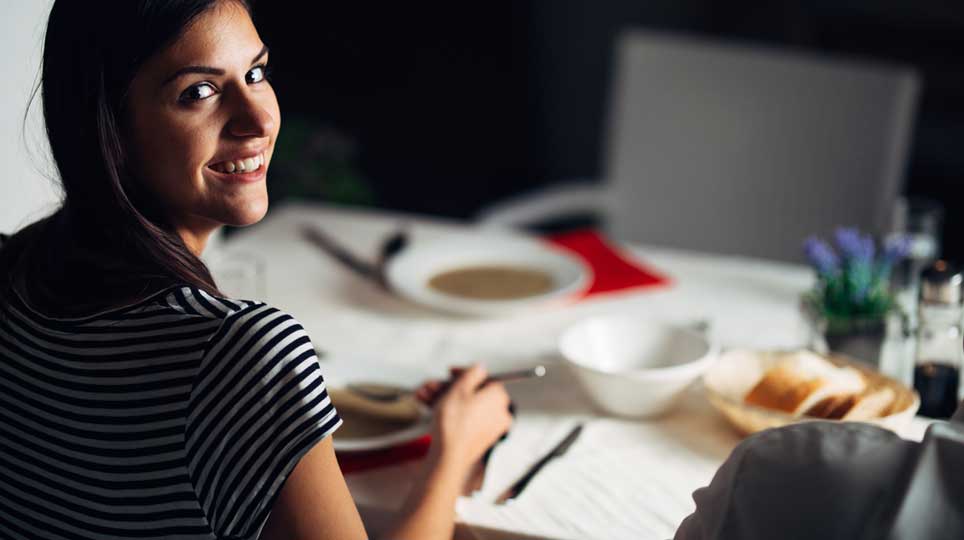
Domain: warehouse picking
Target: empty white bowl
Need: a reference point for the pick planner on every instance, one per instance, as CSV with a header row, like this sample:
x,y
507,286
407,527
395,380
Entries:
x,y
634,366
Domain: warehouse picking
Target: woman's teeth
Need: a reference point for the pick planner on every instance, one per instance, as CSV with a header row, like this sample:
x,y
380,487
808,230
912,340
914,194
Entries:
x,y
240,165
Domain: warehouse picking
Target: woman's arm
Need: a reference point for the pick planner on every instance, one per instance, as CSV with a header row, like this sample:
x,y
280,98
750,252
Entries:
x,y
315,504
469,419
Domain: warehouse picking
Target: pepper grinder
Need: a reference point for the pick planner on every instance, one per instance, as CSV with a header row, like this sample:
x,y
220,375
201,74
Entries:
x,y
939,356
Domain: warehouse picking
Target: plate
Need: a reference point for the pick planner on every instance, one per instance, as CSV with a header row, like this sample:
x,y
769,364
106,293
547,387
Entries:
x,y
737,371
340,373
410,271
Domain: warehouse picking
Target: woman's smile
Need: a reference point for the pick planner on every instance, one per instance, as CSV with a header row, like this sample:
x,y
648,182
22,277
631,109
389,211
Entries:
x,y
242,171
239,166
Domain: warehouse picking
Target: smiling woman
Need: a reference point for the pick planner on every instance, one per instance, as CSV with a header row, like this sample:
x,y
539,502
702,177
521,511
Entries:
x,y
135,399
204,120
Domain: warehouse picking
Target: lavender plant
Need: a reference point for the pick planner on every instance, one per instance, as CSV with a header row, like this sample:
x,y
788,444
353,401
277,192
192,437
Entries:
x,y
853,279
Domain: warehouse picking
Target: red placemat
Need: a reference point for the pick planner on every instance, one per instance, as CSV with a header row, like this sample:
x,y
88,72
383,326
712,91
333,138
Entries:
x,y
351,462
612,271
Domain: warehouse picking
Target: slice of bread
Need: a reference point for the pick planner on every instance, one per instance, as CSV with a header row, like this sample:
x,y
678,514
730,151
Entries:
x,y
782,388
867,405
872,404
802,381
832,407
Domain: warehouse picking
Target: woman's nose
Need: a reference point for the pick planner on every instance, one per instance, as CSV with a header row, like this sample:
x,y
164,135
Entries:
x,y
251,119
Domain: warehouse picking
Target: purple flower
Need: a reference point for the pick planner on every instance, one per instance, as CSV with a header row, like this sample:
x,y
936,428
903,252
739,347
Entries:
x,y
821,256
854,247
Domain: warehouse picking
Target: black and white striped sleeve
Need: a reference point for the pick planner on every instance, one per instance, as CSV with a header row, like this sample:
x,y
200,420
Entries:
x,y
258,405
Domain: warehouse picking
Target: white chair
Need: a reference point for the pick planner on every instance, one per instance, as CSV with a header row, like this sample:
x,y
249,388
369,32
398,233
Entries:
x,y
740,150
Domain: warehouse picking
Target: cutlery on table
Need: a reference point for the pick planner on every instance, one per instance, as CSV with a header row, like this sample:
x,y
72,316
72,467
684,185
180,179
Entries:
x,y
375,271
387,393
515,489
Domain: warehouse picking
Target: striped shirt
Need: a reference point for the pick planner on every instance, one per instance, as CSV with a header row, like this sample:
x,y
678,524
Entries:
x,y
178,417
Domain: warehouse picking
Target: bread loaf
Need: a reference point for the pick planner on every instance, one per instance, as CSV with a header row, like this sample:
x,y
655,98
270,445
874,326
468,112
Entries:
x,y
873,404
832,407
804,382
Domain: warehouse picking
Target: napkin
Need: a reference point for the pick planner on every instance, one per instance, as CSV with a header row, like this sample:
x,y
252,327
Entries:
x,y
612,270
621,479
351,462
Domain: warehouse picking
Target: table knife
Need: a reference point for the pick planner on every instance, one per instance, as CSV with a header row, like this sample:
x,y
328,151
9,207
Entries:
x,y
515,489
391,246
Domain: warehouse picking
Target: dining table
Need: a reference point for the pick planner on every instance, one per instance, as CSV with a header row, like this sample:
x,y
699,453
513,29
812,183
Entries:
x,y
624,477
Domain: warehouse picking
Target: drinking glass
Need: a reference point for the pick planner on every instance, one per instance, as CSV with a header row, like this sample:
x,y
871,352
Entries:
x,y
238,274
920,220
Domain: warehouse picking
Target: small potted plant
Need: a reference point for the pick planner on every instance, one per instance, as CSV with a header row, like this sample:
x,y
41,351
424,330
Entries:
x,y
852,298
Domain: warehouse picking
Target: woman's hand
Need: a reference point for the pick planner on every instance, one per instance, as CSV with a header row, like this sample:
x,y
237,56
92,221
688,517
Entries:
x,y
469,416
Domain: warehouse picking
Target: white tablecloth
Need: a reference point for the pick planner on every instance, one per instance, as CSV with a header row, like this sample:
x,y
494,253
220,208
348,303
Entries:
x,y
623,478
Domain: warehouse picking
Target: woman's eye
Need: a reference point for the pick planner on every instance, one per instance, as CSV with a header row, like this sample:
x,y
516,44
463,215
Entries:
x,y
256,75
197,92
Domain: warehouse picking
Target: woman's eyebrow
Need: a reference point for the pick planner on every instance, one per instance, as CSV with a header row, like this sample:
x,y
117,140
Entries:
x,y
208,70
264,51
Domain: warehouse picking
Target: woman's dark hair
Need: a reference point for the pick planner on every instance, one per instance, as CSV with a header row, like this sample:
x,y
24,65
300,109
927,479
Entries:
x,y
108,242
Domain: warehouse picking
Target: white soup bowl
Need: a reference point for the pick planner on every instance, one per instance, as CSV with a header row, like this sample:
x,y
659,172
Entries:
x,y
635,367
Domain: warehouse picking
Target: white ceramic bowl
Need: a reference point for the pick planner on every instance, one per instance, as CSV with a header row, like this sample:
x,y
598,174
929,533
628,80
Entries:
x,y
409,272
633,366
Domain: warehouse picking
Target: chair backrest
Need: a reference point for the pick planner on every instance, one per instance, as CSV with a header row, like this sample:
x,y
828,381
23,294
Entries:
x,y
741,150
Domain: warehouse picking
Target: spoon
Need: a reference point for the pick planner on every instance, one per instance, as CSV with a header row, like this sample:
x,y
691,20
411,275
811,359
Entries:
x,y
387,393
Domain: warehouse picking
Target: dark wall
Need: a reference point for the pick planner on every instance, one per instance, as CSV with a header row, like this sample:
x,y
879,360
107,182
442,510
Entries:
x,y
453,106
432,93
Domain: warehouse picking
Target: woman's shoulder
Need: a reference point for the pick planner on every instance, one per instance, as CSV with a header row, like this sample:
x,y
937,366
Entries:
x,y
195,302
241,327
237,317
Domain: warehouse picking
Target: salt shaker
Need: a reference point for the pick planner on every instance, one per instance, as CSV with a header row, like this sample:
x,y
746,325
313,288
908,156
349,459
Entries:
x,y
940,352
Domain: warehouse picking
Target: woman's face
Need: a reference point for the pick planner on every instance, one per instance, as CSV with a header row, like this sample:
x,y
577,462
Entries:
x,y
202,123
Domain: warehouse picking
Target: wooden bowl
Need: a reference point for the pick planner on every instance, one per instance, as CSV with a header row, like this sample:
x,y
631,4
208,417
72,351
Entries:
x,y
737,371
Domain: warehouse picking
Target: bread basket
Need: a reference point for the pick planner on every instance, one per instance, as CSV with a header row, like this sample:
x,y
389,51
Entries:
x,y
737,371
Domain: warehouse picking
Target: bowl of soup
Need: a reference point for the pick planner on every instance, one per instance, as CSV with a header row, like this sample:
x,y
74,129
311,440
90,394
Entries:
x,y
486,274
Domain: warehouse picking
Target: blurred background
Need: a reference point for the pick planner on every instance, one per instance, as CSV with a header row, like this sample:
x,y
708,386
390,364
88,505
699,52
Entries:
x,y
444,109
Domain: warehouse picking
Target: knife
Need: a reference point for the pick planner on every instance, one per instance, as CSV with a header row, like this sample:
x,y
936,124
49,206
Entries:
x,y
391,246
515,489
